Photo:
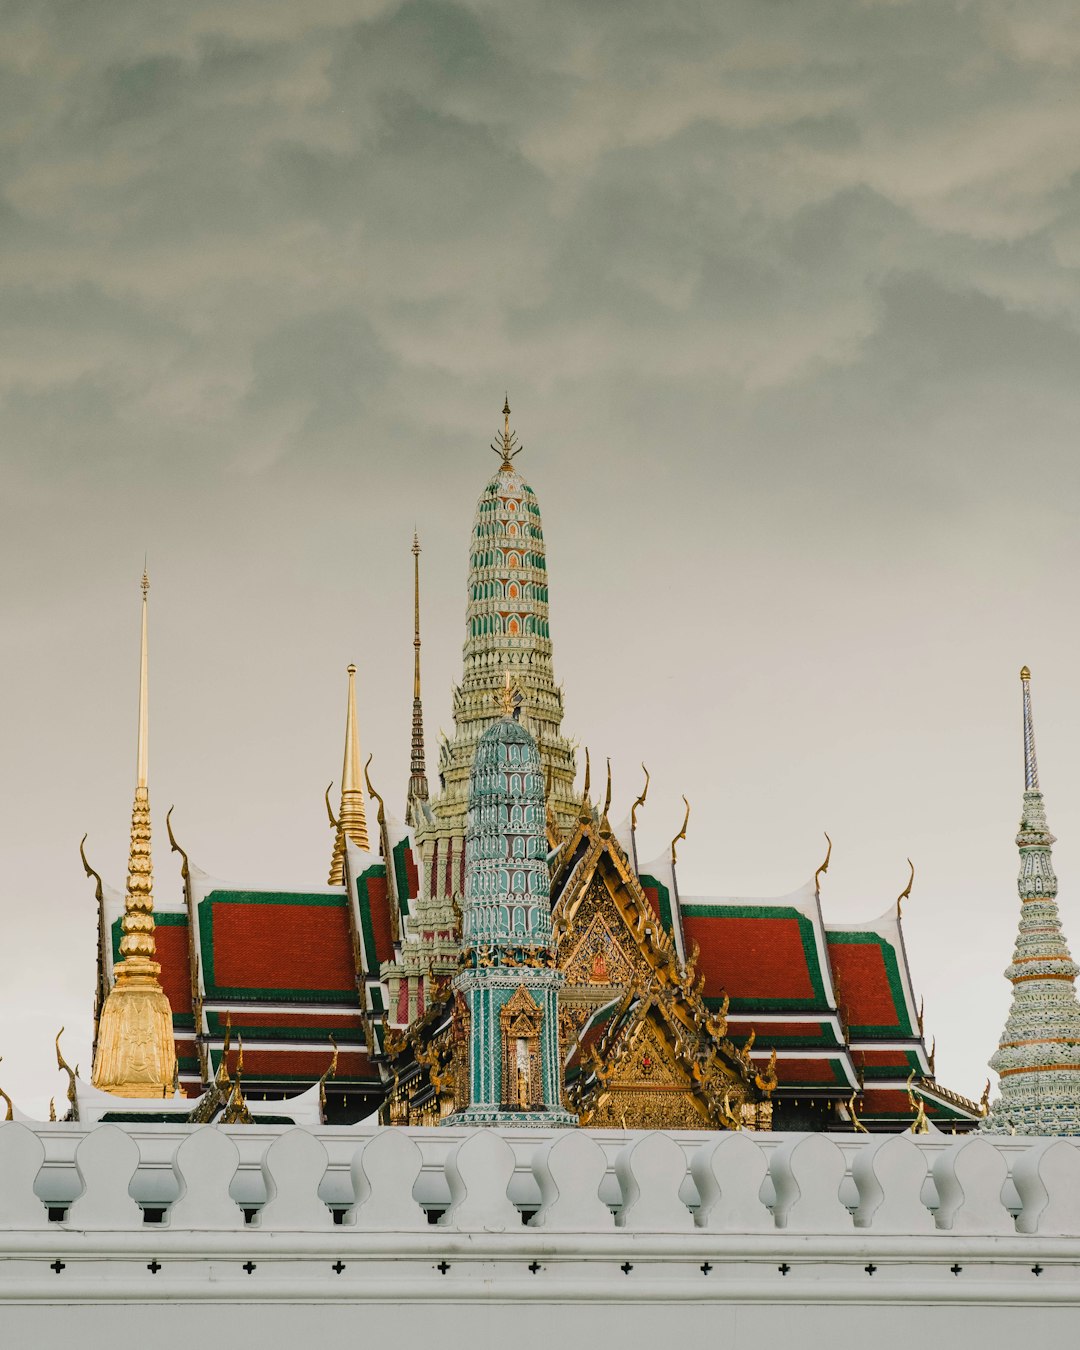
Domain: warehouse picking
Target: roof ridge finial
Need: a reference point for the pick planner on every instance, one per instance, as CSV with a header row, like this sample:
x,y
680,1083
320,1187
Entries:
x,y
135,1053
352,819
682,831
1031,767
506,444
418,783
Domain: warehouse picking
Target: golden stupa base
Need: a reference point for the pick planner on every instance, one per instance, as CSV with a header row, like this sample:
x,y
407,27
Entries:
x,y
136,1053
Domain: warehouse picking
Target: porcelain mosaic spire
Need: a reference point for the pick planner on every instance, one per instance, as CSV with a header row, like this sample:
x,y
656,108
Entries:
x,y
507,992
1038,1057
506,630
135,1054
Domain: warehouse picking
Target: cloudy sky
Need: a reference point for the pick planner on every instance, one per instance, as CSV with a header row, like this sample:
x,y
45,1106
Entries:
x,y
786,295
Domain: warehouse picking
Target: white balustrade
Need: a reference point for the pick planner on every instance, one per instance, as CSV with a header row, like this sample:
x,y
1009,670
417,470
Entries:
x,y
202,1178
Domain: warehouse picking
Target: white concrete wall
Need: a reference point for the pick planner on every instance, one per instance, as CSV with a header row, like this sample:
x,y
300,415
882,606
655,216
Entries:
x,y
639,1238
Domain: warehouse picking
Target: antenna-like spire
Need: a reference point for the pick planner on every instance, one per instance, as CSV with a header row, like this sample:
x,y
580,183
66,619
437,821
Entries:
x,y
418,783
506,445
136,1053
1031,766
352,820
143,755
1038,1056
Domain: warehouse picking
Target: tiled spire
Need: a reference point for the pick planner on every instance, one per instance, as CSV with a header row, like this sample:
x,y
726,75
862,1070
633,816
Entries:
x,y
1038,1057
506,628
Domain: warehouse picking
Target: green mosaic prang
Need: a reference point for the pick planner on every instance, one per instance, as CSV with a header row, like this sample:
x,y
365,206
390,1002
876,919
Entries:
x,y
506,912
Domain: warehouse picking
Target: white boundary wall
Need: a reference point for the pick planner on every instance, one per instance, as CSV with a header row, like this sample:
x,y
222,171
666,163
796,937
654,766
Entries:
x,y
503,1238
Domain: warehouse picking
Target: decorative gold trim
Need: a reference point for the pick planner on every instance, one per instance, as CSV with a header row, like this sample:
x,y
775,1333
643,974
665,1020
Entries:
x,y
193,957
72,1092
856,1123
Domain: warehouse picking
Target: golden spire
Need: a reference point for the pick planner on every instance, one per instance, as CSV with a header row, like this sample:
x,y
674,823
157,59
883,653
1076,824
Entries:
x,y
136,1054
352,821
418,783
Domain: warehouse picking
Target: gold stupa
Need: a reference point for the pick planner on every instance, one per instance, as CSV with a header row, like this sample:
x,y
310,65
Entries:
x,y
135,1055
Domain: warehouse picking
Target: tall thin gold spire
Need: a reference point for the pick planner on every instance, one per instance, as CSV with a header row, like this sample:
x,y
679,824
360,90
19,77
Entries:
x,y
136,1053
143,755
418,783
352,820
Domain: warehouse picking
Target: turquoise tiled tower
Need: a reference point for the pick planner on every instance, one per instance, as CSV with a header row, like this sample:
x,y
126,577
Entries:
x,y
508,989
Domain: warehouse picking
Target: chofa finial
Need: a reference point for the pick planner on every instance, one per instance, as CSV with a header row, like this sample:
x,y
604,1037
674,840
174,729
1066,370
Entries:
x,y
906,892
682,831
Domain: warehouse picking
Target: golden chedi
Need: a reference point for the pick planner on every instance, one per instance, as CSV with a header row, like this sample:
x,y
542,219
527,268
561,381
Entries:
x,y
135,1055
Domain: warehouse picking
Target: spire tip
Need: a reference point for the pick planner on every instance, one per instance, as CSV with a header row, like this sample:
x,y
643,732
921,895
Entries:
x,y
1025,673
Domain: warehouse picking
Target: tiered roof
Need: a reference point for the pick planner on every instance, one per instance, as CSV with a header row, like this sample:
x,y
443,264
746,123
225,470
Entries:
x,y
835,1001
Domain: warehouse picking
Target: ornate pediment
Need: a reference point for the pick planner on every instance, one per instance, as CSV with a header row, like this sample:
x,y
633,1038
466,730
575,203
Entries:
x,y
599,949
